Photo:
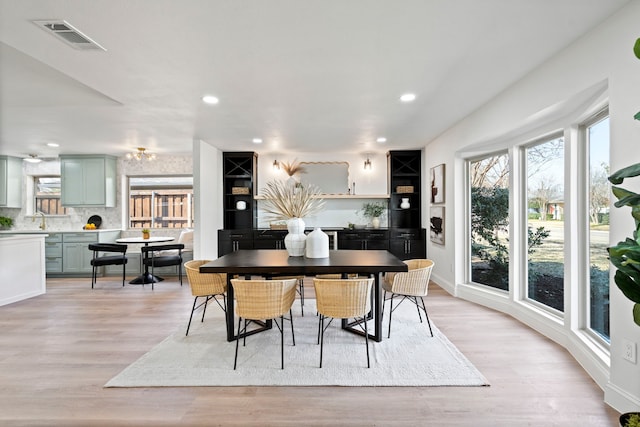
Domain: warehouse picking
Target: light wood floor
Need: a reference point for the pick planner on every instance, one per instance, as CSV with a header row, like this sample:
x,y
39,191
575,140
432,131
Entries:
x,y
58,350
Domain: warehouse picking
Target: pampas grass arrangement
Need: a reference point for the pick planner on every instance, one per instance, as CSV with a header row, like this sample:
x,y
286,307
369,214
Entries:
x,y
292,168
285,200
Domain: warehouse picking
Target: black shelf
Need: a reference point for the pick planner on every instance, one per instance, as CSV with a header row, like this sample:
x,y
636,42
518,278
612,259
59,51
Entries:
x,y
239,173
407,237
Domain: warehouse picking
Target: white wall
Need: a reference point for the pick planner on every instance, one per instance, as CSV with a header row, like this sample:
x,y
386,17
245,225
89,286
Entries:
x,y
563,90
207,182
337,212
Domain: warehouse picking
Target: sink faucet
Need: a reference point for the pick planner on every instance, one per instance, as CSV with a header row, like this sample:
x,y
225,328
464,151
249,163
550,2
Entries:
x,y
43,224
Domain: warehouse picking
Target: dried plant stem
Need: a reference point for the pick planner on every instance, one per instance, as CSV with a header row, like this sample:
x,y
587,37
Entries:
x,y
285,200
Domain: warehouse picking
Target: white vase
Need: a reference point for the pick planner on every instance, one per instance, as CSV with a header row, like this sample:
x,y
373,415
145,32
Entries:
x,y
294,241
375,222
405,203
241,205
317,244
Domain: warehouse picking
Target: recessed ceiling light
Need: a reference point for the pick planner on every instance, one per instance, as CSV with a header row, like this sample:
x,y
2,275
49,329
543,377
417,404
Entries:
x,y
381,139
408,97
52,144
210,99
257,141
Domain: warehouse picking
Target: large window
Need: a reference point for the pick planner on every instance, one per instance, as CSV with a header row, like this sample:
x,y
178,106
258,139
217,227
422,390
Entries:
x,y
489,180
47,191
597,136
161,202
545,223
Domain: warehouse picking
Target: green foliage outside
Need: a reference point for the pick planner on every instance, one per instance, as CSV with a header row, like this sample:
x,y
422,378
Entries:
x,y
490,219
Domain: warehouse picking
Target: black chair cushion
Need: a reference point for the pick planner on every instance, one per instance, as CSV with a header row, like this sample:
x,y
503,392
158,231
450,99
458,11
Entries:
x,y
109,260
163,261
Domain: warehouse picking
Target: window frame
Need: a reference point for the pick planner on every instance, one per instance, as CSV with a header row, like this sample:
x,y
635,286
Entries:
x,y
127,204
33,197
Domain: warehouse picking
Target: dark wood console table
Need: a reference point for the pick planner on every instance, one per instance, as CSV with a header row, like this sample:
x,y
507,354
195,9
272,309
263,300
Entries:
x,y
278,263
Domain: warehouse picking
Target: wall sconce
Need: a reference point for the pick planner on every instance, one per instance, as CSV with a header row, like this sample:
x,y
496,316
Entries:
x,y
367,164
276,165
141,154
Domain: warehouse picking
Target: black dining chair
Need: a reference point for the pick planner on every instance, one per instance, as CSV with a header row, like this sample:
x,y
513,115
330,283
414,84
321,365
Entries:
x,y
163,256
100,261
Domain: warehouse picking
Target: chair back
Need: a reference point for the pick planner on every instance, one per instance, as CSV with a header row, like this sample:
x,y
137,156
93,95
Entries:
x,y
414,282
107,247
204,284
263,299
343,298
157,248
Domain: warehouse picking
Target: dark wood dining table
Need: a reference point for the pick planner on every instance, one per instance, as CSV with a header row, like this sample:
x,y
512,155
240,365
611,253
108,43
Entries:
x,y
274,263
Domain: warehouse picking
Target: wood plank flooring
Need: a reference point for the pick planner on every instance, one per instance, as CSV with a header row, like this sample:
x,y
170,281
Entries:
x,y
59,349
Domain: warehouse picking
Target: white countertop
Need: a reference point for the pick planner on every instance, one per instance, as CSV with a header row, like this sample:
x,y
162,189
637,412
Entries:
x,y
57,231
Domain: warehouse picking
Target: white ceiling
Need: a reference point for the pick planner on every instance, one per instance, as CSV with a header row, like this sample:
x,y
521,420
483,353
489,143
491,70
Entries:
x,y
303,75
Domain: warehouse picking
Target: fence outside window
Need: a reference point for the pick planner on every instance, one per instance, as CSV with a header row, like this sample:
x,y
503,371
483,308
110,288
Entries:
x,y
161,202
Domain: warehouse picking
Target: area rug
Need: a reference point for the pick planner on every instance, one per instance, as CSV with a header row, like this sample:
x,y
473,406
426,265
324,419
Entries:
x,y
411,357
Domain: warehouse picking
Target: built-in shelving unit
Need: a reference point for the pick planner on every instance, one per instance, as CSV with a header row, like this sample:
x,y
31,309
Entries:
x,y
239,180
407,238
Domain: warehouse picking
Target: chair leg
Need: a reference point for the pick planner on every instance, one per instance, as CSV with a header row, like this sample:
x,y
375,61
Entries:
x,y
301,284
415,301
93,276
321,336
191,317
180,272
426,315
366,340
282,342
123,273
293,334
204,310
235,360
390,314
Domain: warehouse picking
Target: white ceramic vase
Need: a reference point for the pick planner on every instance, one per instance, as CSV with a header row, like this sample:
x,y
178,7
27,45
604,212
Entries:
x,y
294,241
405,203
375,222
317,244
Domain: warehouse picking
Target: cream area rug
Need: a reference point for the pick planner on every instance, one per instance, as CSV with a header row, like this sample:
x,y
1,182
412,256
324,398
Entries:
x,y
411,357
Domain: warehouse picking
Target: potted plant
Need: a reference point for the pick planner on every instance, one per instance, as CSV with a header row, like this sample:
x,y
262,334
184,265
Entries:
x,y
285,200
146,233
5,222
630,419
373,211
625,256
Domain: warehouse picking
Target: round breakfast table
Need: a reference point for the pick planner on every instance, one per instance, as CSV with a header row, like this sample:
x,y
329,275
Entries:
x,y
145,277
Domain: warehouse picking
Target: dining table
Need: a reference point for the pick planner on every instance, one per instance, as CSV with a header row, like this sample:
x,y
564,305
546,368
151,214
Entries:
x,y
145,277
274,263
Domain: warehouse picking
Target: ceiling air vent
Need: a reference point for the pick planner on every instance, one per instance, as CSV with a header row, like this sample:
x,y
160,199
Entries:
x,y
68,34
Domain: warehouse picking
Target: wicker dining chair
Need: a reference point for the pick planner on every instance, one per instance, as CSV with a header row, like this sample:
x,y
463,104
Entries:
x,y
343,299
258,300
410,285
206,285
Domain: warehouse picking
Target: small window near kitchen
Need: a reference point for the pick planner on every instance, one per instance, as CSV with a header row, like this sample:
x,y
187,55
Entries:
x,y
47,195
161,202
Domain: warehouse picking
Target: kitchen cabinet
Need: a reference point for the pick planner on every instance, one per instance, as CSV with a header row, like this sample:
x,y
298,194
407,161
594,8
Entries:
x,y
10,182
76,257
374,239
233,240
408,243
88,180
53,253
68,254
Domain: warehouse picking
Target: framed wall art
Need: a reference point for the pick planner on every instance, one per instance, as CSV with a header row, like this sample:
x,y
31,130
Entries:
x,y
437,184
436,227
